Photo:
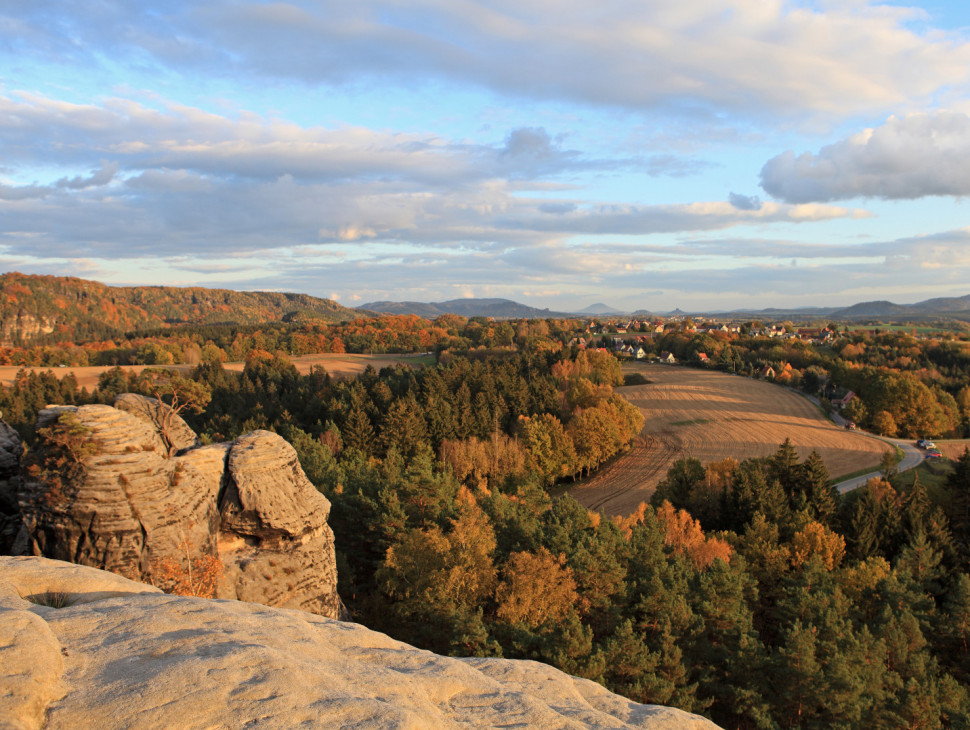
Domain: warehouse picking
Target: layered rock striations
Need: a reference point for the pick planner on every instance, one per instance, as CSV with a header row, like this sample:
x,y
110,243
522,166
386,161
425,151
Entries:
x,y
234,520
119,654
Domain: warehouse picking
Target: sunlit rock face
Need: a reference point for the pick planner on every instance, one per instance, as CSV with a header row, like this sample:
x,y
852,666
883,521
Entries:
x,y
233,520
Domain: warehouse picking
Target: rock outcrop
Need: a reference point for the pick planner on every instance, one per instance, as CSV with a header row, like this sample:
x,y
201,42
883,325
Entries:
x,y
234,520
122,655
11,451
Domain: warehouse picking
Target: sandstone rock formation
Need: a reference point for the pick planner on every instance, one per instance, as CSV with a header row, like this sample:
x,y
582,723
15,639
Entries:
x,y
234,520
121,655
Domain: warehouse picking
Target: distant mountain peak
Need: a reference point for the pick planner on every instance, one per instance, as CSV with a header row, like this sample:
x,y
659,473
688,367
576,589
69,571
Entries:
x,y
599,308
468,307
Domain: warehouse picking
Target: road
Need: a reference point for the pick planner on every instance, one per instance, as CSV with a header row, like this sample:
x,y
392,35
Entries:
x,y
912,456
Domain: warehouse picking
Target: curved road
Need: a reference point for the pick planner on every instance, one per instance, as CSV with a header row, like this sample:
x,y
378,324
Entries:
x,y
912,456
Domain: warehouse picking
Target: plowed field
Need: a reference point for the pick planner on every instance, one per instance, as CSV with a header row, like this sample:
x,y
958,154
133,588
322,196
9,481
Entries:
x,y
712,416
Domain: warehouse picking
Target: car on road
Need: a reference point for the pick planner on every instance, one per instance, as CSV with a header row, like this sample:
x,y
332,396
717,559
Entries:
x,y
933,454
926,444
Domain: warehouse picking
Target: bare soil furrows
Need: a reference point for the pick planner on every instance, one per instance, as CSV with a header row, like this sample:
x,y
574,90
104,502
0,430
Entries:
x,y
712,416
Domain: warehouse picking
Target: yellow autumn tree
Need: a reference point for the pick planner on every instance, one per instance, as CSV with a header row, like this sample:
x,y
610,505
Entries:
x,y
535,588
815,539
431,567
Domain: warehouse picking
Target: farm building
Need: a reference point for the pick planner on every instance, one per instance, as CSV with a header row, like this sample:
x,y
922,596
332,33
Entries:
x,y
844,400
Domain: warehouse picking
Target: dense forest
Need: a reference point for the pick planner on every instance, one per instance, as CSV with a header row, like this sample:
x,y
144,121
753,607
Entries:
x,y
70,310
749,592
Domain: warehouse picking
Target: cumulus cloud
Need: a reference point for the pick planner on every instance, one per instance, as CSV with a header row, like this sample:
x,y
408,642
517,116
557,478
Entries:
x,y
179,180
97,178
755,55
906,158
745,202
134,136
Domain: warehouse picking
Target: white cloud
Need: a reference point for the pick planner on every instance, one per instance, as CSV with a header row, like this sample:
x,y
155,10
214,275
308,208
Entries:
x,y
133,136
786,58
906,158
182,181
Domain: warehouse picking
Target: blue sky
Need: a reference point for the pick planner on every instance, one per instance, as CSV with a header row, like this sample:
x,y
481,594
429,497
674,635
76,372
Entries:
x,y
701,154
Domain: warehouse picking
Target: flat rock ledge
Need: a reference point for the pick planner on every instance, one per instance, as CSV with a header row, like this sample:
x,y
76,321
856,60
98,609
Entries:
x,y
123,655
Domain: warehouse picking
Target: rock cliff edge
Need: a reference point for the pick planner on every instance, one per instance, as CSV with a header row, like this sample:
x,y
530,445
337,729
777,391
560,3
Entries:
x,y
121,654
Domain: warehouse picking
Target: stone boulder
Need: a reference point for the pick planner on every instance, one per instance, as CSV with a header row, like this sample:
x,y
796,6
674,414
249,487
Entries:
x,y
231,520
118,654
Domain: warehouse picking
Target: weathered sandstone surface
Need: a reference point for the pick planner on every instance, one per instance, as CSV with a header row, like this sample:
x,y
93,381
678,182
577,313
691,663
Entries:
x,y
241,516
122,655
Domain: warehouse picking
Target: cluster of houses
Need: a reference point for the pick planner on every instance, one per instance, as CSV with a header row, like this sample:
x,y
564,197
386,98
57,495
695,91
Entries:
x,y
816,335
622,327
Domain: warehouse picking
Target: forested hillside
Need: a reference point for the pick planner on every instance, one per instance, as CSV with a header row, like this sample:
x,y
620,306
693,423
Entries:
x,y
69,309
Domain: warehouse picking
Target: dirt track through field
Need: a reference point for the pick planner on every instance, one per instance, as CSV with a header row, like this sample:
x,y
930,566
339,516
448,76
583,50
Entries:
x,y
712,416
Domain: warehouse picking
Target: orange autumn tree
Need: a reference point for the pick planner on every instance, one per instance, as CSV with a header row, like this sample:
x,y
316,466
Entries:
x,y
684,534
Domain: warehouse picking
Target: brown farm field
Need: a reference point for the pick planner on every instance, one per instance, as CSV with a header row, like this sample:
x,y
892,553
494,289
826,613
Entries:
x,y
338,365
953,449
711,416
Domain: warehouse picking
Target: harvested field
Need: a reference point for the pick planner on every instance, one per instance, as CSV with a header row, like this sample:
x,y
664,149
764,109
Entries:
x,y
338,365
346,365
952,449
712,416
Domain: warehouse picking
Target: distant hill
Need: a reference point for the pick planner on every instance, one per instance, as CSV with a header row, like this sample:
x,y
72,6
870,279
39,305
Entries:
x,y
497,308
939,307
68,308
599,308
944,307
946,304
872,309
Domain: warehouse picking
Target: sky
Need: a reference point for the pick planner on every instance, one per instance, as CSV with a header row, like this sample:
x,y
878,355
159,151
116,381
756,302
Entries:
x,y
646,154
